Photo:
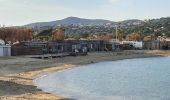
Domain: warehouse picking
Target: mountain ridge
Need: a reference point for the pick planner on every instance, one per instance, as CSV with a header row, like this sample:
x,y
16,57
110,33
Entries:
x,y
77,21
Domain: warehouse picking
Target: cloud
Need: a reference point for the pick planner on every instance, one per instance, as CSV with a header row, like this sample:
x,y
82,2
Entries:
x,y
114,1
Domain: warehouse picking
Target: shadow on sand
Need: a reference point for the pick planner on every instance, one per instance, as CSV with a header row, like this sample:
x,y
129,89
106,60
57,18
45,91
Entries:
x,y
11,88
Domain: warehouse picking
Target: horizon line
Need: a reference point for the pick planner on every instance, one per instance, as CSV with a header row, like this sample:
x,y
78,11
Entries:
x,y
84,18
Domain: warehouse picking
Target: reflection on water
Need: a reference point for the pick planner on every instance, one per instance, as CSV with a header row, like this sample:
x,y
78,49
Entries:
x,y
132,79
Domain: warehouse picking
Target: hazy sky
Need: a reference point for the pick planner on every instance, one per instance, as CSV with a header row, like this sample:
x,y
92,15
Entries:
x,y
19,12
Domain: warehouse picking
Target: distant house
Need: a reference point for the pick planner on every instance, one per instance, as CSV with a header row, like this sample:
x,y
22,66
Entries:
x,y
160,43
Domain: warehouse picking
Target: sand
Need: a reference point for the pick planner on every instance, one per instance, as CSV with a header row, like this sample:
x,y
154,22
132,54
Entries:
x,y
17,73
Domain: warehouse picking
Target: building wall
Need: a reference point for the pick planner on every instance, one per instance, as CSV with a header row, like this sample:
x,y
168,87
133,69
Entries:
x,y
136,44
5,51
38,48
1,51
26,51
153,45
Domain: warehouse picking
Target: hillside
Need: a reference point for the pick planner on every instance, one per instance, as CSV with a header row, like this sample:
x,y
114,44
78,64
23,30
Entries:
x,y
75,21
76,26
157,27
70,21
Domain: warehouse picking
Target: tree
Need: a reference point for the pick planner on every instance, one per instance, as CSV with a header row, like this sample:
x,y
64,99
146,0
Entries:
x,y
84,35
149,38
59,34
135,36
14,34
105,37
120,34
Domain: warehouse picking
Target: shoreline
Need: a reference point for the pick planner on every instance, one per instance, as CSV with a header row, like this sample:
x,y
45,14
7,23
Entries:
x,y
21,86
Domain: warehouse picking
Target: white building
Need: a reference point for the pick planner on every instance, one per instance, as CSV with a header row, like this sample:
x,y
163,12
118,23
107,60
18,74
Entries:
x,y
5,50
136,44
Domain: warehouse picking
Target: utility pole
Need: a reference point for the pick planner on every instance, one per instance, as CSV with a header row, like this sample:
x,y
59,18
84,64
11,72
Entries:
x,y
116,34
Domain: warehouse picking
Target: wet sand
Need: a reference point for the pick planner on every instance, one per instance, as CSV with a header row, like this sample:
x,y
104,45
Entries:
x,y
17,73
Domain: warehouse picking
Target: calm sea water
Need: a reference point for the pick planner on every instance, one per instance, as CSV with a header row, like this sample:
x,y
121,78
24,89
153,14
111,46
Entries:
x,y
132,79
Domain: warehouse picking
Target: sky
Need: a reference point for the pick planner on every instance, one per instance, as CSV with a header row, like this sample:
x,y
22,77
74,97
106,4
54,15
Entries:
x,y
21,12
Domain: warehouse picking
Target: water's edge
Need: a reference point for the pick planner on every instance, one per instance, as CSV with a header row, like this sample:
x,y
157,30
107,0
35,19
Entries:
x,y
42,75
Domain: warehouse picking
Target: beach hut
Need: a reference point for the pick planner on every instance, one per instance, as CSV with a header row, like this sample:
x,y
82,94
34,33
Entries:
x,y
5,50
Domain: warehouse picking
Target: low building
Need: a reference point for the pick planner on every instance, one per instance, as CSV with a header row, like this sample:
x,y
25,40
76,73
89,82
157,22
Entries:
x,y
152,45
67,46
135,44
5,50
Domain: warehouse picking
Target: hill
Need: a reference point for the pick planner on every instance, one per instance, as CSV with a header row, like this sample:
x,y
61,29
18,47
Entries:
x,y
70,21
75,26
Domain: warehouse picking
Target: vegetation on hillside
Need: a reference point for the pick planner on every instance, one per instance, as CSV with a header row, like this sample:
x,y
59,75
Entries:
x,y
148,30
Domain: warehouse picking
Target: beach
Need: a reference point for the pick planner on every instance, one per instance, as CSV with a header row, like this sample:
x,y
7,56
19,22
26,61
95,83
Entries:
x,y
17,73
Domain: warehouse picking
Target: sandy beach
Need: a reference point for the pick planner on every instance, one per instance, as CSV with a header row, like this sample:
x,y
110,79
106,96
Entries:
x,y
17,73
